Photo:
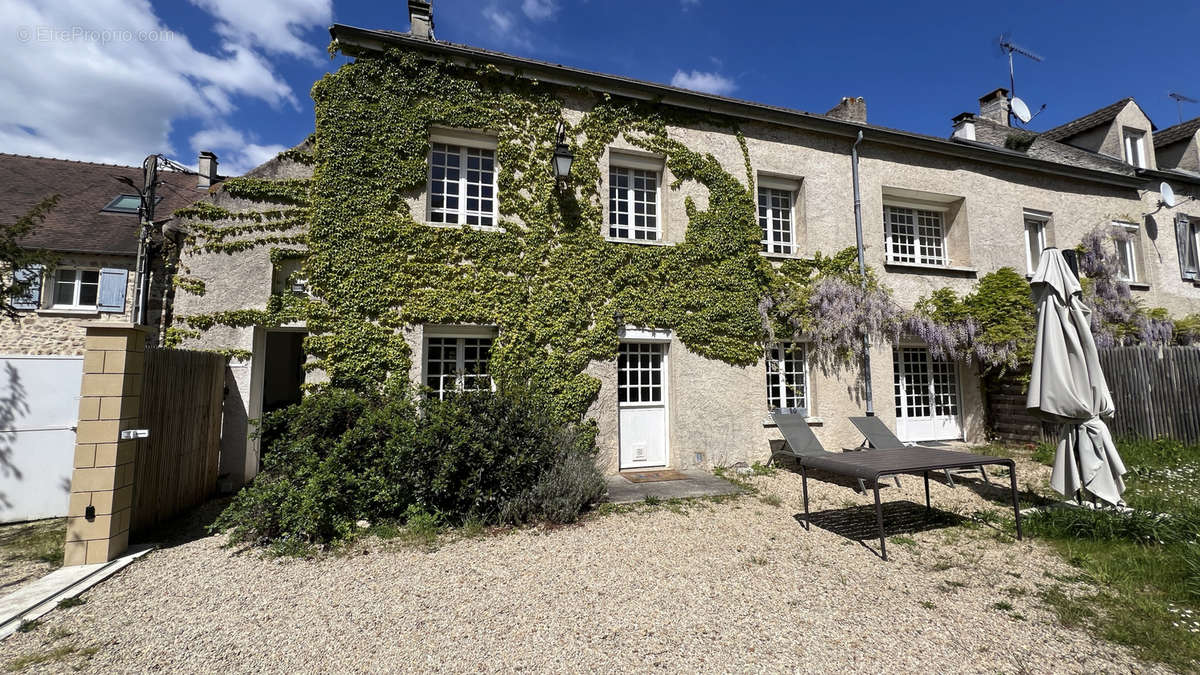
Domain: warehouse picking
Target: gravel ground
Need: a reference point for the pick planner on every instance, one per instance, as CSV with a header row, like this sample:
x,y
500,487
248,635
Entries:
x,y
732,586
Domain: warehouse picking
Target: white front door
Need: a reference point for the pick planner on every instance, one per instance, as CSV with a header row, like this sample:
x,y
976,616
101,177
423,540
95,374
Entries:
x,y
926,393
642,404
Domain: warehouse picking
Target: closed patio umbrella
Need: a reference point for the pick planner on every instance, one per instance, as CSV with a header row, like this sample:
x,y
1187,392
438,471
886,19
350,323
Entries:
x,y
1068,387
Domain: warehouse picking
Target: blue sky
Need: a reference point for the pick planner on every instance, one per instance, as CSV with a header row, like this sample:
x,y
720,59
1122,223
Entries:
x,y
234,75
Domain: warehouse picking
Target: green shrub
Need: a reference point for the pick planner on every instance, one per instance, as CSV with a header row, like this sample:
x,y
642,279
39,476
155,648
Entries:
x,y
339,457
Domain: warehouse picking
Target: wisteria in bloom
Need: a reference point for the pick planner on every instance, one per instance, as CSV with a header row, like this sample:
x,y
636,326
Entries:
x,y
1117,318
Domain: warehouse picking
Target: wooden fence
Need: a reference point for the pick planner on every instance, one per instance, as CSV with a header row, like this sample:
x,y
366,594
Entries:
x,y
177,465
1156,391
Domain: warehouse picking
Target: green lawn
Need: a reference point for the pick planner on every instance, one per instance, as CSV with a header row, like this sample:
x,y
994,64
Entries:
x,y
1145,566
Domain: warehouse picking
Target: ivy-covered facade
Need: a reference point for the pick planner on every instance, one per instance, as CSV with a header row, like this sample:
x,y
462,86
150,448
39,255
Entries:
x,y
421,237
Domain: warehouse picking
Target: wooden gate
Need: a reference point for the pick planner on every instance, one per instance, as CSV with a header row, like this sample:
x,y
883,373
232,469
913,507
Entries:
x,y
176,466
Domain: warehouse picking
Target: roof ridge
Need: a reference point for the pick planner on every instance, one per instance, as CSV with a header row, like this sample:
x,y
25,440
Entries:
x,y
73,161
1089,121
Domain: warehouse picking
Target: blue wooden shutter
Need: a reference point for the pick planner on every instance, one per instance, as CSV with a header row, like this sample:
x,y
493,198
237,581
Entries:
x,y
1186,248
112,290
32,298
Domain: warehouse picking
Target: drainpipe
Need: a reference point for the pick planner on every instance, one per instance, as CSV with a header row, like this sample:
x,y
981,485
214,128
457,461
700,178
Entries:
x,y
862,270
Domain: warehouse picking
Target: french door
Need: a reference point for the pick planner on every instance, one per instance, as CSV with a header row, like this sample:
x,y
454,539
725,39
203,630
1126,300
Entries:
x,y
926,395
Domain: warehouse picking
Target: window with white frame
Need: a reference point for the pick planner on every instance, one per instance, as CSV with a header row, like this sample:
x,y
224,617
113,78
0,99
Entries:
x,y
1125,240
1135,148
634,211
457,363
777,217
76,288
787,376
915,235
462,184
1035,239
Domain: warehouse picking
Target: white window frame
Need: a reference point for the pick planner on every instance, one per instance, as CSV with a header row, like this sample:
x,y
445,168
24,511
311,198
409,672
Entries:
x,y
460,335
1135,147
1129,247
53,304
779,392
465,142
918,211
767,224
630,163
1042,220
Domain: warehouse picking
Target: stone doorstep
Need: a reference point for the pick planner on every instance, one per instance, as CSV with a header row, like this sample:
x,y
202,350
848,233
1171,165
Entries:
x,y
697,484
40,597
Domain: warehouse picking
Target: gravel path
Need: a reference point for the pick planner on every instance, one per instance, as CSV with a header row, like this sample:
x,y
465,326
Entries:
x,y
708,587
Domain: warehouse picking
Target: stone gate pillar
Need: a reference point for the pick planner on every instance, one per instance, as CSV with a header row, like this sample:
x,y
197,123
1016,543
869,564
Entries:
x,y
98,515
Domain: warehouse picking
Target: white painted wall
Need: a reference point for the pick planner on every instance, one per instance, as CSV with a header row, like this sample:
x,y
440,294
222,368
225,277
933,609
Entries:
x,y
39,407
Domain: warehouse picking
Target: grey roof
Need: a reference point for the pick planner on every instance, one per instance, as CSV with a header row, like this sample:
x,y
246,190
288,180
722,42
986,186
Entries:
x,y
360,41
1039,146
1180,132
1088,122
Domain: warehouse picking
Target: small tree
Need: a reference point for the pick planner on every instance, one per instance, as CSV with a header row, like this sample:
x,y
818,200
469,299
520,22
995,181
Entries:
x,y
15,257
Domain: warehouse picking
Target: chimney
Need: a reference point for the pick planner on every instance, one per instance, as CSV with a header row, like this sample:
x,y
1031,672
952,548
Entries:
x,y
850,109
993,106
964,126
420,18
207,167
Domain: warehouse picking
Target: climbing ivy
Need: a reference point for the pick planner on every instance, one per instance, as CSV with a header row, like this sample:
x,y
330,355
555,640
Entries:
x,y
549,280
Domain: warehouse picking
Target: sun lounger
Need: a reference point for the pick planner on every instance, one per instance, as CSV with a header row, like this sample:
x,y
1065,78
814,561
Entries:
x,y
877,435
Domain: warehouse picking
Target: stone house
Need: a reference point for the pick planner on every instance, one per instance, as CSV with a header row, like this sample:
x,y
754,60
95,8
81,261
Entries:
x,y
93,229
936,212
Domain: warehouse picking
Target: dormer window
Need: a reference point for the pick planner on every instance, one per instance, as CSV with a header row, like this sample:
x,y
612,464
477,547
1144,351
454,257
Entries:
x,y
1135,148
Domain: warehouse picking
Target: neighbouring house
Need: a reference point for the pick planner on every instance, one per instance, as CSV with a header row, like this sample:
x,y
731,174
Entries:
x,y
421,233
93,232
93,229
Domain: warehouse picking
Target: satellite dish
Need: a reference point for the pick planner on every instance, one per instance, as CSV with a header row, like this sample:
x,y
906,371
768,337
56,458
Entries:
x,y
1168,195
1020,110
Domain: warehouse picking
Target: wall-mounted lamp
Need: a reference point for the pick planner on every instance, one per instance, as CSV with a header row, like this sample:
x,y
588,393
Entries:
x,y
619,319
563,157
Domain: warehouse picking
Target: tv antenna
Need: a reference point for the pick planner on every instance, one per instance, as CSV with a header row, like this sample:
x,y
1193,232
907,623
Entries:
x,y
1009,47
1016,106
1180,99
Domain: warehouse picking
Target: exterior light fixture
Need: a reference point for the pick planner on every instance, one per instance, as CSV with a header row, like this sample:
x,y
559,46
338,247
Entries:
x,y
619,319
563,157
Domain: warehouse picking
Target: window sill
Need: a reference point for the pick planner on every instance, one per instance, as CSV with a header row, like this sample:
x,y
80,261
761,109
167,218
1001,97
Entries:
x,y
456,226
769,423
69,311
784,256
948,269
643,242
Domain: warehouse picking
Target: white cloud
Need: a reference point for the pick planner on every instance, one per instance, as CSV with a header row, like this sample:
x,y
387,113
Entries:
x,y
505,27
275,25
106,80
539,10
712,83
236,153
